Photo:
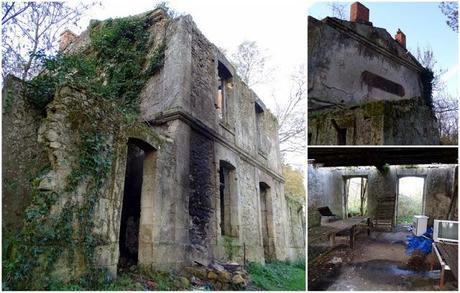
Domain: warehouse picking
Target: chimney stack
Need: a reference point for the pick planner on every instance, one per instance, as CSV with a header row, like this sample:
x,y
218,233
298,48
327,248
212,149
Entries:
x,y
400,37
359,13
67,37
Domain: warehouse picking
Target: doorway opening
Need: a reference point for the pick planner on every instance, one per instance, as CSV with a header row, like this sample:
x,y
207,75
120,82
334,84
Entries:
x,y
228,202
139,173
266,215
131,211
410,199
356,196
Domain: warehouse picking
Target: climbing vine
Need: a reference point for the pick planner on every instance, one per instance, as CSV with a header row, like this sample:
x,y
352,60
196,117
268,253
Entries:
x,y
427,77
111,72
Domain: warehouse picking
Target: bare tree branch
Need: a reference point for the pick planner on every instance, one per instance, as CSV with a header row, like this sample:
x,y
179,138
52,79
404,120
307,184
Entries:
x,y
445,107
450,9
32,27
250,62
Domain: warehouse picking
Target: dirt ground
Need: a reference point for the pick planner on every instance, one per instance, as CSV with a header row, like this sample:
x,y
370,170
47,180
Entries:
x,y
377,262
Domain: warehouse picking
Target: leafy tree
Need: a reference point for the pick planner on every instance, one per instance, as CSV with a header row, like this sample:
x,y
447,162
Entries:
x,y
293,186
450,9
31,29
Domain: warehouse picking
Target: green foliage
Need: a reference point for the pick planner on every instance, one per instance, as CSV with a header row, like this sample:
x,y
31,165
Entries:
x,y
113,66
111,72
157,59
294,185
408,206
164,280
278,276
231,250
135,279
75,69
427,77
8,102
121,47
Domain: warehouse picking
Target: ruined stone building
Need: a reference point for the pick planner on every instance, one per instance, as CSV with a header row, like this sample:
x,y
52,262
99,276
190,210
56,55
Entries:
x,y
197,176
382,168
364,86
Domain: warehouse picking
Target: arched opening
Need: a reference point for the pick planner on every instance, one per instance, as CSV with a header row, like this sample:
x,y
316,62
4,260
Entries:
x,y
138,177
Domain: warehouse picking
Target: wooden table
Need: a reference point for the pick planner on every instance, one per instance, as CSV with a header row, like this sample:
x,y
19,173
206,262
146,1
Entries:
x,y
448,258
346,225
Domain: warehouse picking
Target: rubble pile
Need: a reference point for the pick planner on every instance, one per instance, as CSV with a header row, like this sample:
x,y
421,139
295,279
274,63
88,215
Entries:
x,y
227,276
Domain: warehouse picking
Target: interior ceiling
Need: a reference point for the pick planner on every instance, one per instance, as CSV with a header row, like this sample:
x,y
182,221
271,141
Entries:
x,y
379,156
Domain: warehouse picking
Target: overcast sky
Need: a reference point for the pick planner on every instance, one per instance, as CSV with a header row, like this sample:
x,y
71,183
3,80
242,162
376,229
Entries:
x,y
279,28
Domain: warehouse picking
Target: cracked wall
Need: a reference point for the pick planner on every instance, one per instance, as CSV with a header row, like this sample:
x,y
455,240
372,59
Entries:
x,y
377,123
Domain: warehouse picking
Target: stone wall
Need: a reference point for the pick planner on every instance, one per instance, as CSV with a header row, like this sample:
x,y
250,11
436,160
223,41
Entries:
x,y
186,87
186,91
338,54
405,122
183,142
22,156
326,188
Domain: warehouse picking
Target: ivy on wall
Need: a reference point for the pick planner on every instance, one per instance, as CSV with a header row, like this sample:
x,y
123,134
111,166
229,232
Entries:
x,y
112,70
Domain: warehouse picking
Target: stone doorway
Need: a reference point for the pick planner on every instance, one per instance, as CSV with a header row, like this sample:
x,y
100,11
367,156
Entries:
x,y
267,220
410,200
137,201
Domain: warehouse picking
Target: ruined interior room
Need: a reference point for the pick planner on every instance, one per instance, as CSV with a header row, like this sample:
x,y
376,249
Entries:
x,y
382,219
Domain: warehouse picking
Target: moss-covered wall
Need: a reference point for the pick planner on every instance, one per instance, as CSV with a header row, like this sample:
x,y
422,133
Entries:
x,y
23,158
108,88
405,122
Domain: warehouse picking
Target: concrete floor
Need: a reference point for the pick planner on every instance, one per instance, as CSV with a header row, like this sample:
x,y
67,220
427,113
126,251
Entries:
x,y
377,262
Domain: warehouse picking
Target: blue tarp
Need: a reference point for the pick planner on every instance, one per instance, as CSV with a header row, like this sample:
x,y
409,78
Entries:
x,y
422,243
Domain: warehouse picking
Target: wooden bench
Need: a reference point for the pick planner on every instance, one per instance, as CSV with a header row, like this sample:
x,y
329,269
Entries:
x,y
347,226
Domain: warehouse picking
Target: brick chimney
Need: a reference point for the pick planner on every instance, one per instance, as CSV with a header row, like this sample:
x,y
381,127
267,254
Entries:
x,y
400,37
67,37
359,13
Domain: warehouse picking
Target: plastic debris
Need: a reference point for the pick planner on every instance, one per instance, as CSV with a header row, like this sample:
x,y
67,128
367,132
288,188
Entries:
x,y
421,243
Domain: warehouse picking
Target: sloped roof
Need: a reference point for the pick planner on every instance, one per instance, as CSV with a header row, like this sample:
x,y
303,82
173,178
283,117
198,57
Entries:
x,y
375,35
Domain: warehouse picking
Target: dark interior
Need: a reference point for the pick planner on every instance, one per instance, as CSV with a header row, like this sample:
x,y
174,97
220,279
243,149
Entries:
x,y
130,214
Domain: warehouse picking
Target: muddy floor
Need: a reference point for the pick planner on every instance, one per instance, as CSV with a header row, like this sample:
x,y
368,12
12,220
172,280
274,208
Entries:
x,y
377,262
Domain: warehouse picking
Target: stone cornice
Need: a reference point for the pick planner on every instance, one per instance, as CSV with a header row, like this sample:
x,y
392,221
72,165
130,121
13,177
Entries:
x,y
195,124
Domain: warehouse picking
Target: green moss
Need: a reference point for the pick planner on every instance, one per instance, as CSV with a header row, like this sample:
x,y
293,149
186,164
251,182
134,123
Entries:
x,y
231,249
374,109
8,101
110,74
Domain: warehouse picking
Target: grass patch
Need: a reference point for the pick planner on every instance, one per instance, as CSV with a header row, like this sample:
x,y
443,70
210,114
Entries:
x,y
278,276
133,279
